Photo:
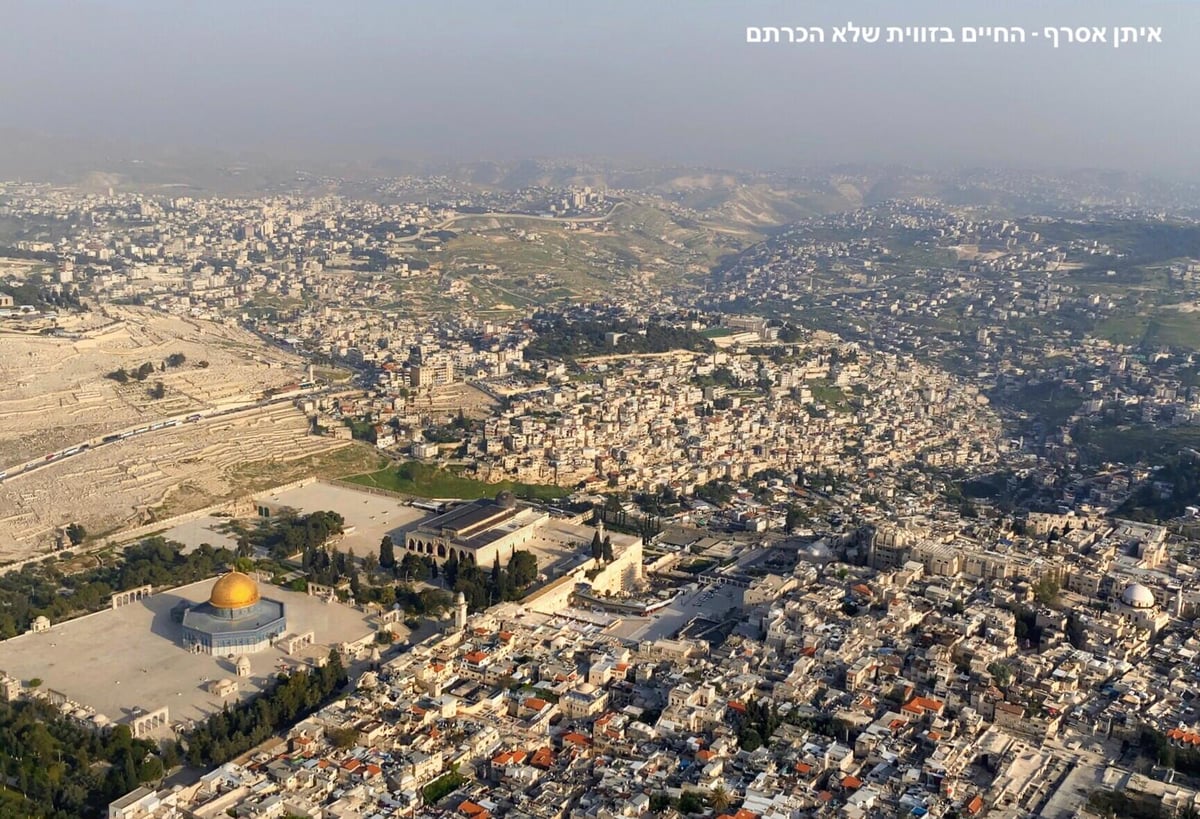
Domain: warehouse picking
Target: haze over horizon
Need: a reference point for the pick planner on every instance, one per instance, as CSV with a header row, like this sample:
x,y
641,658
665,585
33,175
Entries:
x,y
627,80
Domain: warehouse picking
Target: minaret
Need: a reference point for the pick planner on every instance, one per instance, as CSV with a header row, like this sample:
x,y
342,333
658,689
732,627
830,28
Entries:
x,y
1179,601
460,612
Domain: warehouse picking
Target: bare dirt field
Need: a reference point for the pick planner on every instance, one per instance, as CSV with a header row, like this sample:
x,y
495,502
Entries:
x,y
450,399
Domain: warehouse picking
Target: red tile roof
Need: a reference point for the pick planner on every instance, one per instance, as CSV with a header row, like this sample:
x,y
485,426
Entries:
x,y
509,758
919,705
469,808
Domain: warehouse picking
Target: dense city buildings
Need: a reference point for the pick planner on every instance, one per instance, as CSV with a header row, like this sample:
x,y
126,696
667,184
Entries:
x,y
599,411
889,513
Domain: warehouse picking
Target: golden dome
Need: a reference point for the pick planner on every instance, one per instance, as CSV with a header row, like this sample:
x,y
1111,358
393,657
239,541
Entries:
x,y
234,591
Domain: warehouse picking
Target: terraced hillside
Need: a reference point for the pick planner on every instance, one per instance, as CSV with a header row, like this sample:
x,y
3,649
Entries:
x,y
57,393
155,475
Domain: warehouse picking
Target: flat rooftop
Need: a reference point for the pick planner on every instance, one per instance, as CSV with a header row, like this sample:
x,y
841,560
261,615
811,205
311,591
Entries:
x,y
371,515
119,660
462,520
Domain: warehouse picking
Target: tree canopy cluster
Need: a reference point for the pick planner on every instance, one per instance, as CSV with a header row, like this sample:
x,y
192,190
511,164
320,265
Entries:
x,y
602,550
412,568
326,567
293,534
145,370
1184,760
760,719
32,294
55,768
482,588
426,601
443,786
718,493
1182,473
558,338
237,729
44,589
416,567
614,515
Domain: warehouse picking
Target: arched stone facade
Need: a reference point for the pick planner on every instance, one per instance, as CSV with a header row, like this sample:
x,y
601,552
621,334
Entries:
x,y
124,598
146,724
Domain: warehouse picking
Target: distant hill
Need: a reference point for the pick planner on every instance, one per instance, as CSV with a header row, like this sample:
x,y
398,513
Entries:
x,y
758,199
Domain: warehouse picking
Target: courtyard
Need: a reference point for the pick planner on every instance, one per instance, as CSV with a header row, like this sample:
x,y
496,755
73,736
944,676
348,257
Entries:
x,y
121,660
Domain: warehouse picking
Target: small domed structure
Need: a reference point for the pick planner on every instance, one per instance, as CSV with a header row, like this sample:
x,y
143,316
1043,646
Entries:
x,y
1137,596
506,499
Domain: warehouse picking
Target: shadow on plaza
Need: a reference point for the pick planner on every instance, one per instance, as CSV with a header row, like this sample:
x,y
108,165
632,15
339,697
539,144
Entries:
x,y
164,624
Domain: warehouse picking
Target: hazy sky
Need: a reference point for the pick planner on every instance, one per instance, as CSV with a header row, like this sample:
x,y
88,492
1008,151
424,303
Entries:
x,y
670,80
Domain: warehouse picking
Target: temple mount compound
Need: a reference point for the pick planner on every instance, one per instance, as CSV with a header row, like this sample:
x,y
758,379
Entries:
x,y
236,619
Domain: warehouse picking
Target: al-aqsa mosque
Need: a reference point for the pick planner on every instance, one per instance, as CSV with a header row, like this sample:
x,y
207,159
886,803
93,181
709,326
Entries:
x,y
236,619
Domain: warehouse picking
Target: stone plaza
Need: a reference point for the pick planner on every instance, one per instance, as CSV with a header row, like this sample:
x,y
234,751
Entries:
x,y
130,660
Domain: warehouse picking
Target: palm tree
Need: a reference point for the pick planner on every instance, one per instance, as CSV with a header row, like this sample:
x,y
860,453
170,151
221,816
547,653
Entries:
x,y
719,799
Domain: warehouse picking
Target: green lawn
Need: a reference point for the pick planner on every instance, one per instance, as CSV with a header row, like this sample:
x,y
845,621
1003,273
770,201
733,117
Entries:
x,y
1127,444
829,394
1175,329
415,478
1049,401
1122,329
1171,328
